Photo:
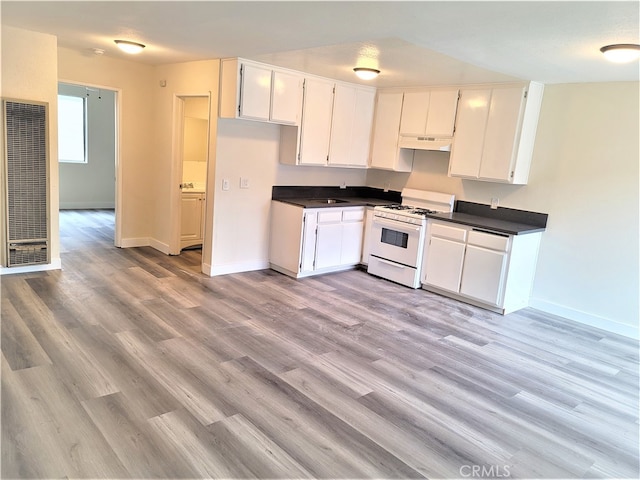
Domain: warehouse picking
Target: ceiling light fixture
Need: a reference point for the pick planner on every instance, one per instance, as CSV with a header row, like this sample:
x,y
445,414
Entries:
x,y
129,47
621,52
366,73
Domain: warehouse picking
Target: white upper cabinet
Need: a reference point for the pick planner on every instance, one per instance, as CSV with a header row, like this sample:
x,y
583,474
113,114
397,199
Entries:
x,y
255,92
495,133
471,124
351,126
260,92
385,152
429,112
315,130
335,128
286,92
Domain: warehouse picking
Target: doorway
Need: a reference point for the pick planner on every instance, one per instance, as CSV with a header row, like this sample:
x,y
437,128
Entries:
x,y
88,152
191,158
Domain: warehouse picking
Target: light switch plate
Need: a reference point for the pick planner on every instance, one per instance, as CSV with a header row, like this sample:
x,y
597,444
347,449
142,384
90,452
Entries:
x,y
244,182
225,184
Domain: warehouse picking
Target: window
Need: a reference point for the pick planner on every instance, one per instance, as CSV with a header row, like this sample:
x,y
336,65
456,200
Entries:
x,y
72,128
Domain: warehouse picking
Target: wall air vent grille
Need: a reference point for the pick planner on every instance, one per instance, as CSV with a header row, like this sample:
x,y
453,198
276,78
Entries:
x,y
26,188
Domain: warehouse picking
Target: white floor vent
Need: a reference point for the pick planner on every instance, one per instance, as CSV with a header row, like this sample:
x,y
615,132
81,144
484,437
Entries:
x,y
26,164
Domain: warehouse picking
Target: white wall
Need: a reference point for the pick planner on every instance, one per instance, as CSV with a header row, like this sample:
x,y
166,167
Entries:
x,y
134,82
30,72
92,184
241,222
182,79
585,176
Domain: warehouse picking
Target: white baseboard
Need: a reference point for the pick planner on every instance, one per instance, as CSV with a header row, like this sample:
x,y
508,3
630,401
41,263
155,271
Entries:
x,y
86,205
135,242
216,270
586,318
158,245
56,264
145,242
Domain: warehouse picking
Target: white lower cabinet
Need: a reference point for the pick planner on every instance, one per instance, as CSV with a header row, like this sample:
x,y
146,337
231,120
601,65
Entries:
x,y
328,239
445,263
351,248
311,241
192,219
483,274
366,241
484,268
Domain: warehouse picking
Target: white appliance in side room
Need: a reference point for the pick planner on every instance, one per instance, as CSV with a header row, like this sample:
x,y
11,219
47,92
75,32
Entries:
x,y
398,235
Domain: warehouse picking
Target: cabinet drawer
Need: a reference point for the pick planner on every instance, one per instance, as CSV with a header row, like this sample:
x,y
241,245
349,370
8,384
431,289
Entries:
x,y
353,215
452,233
489,240
330,215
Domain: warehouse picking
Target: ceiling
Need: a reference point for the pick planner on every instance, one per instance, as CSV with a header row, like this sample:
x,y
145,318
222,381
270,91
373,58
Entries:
x,y
412,43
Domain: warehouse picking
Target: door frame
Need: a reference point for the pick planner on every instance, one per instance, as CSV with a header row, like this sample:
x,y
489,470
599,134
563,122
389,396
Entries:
x,y
176,165
117,234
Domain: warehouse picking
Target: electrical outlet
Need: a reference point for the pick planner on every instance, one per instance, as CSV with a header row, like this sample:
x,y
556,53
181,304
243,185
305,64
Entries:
x,y
343,184
225,184
387,186
244,182
494,203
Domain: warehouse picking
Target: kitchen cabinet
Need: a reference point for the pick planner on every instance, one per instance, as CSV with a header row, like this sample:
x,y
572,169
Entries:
x,y
445,255
495,133
385,151
312,241
351,123
429,112
256,91
335,127
352,235
329,238
483,272
484,268
192,219
367,239
315,130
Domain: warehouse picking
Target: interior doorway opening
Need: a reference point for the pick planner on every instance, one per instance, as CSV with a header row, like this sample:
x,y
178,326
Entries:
x,y
88,156
191,158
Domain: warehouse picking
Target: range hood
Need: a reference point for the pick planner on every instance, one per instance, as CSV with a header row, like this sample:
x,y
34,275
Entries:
x,y
442,144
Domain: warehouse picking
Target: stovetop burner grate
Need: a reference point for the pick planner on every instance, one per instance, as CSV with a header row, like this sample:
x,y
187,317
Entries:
x,y
423,211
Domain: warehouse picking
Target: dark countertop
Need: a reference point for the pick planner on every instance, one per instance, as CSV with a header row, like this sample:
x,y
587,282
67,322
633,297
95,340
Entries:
x,y
342,202
492,224
502,220
316,197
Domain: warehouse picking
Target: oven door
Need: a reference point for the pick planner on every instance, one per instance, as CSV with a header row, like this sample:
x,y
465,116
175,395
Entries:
x,y
396,241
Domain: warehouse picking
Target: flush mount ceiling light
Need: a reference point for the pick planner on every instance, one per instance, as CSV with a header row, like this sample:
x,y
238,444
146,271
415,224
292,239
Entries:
x,y
366,73
129,47
621,52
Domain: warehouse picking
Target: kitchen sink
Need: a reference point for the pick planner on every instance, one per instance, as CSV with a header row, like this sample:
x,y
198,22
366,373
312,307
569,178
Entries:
x,y
329,200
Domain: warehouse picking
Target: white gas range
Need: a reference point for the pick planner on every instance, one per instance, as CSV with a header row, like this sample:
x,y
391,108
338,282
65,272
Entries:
x,y
398,235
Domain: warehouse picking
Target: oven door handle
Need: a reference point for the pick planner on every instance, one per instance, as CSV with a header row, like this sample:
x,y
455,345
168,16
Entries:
x,y
396,225
391,264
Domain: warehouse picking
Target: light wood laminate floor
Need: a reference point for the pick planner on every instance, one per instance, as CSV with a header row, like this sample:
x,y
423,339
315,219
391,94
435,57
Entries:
x,y
131,364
